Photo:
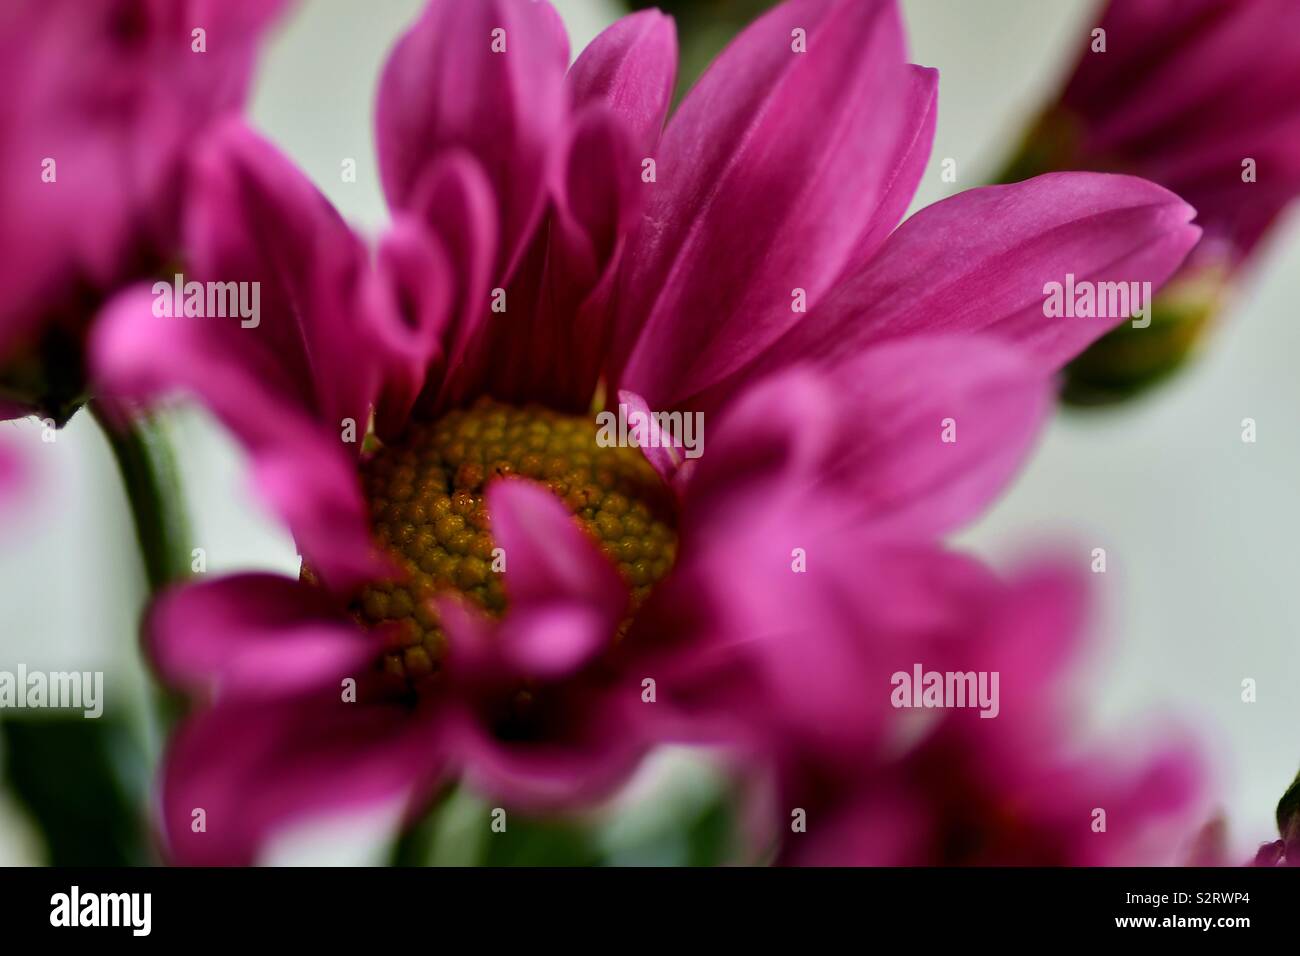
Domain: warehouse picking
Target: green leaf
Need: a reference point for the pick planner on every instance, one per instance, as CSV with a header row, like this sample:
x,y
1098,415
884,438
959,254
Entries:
x,y
73,777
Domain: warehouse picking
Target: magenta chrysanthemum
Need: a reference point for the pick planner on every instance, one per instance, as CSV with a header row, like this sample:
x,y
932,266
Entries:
x,y
105,98
551,250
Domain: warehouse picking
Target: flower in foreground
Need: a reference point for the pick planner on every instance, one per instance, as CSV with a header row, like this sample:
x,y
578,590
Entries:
x,y
487,591
103,99
1019,790
1199,96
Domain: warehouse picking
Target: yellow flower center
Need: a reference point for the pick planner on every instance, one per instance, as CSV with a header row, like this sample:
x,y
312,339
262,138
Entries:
x,y
426,495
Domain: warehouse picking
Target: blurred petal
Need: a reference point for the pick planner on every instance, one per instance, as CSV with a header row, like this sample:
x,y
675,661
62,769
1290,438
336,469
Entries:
x,y
916,436
305,476
289,379
1186,92
932,430
254,767
590,747
548,555
252,635
775,623
529,716
255,217
113,96
772,443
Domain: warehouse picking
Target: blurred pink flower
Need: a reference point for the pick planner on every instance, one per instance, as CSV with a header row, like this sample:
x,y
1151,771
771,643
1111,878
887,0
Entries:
x,y
1185,93
505,173
1200,97
1016,790
102,101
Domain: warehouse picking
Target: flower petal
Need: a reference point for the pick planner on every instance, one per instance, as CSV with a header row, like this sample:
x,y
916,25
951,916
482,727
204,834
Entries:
x,y
413,286
252,635
486,77
253,767
454,200
771,444
298,470
553,352
911,153
566,599
774,622
548,555
1183,95
759,194
1180,69
550,344
932,430
918,435
576,735
591,747
294,381
631,68
111,94
981,261
664,456
254,217
554,640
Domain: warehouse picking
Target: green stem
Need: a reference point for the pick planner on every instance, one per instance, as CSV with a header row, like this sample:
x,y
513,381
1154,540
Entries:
x,y
153,490
148,468
416,844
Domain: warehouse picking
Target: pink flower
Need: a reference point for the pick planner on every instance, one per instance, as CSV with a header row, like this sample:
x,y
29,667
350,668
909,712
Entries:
x,y
1200,97
516,184
103,100
1186,92
1015,789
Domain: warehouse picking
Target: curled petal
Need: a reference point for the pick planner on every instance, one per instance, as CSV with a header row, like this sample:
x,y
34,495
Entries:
x,y
414,286
252,635
486,77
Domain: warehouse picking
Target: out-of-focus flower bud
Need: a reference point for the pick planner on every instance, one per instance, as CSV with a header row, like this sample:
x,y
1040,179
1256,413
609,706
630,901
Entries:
x,y
104,101
1137,355
1199,96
